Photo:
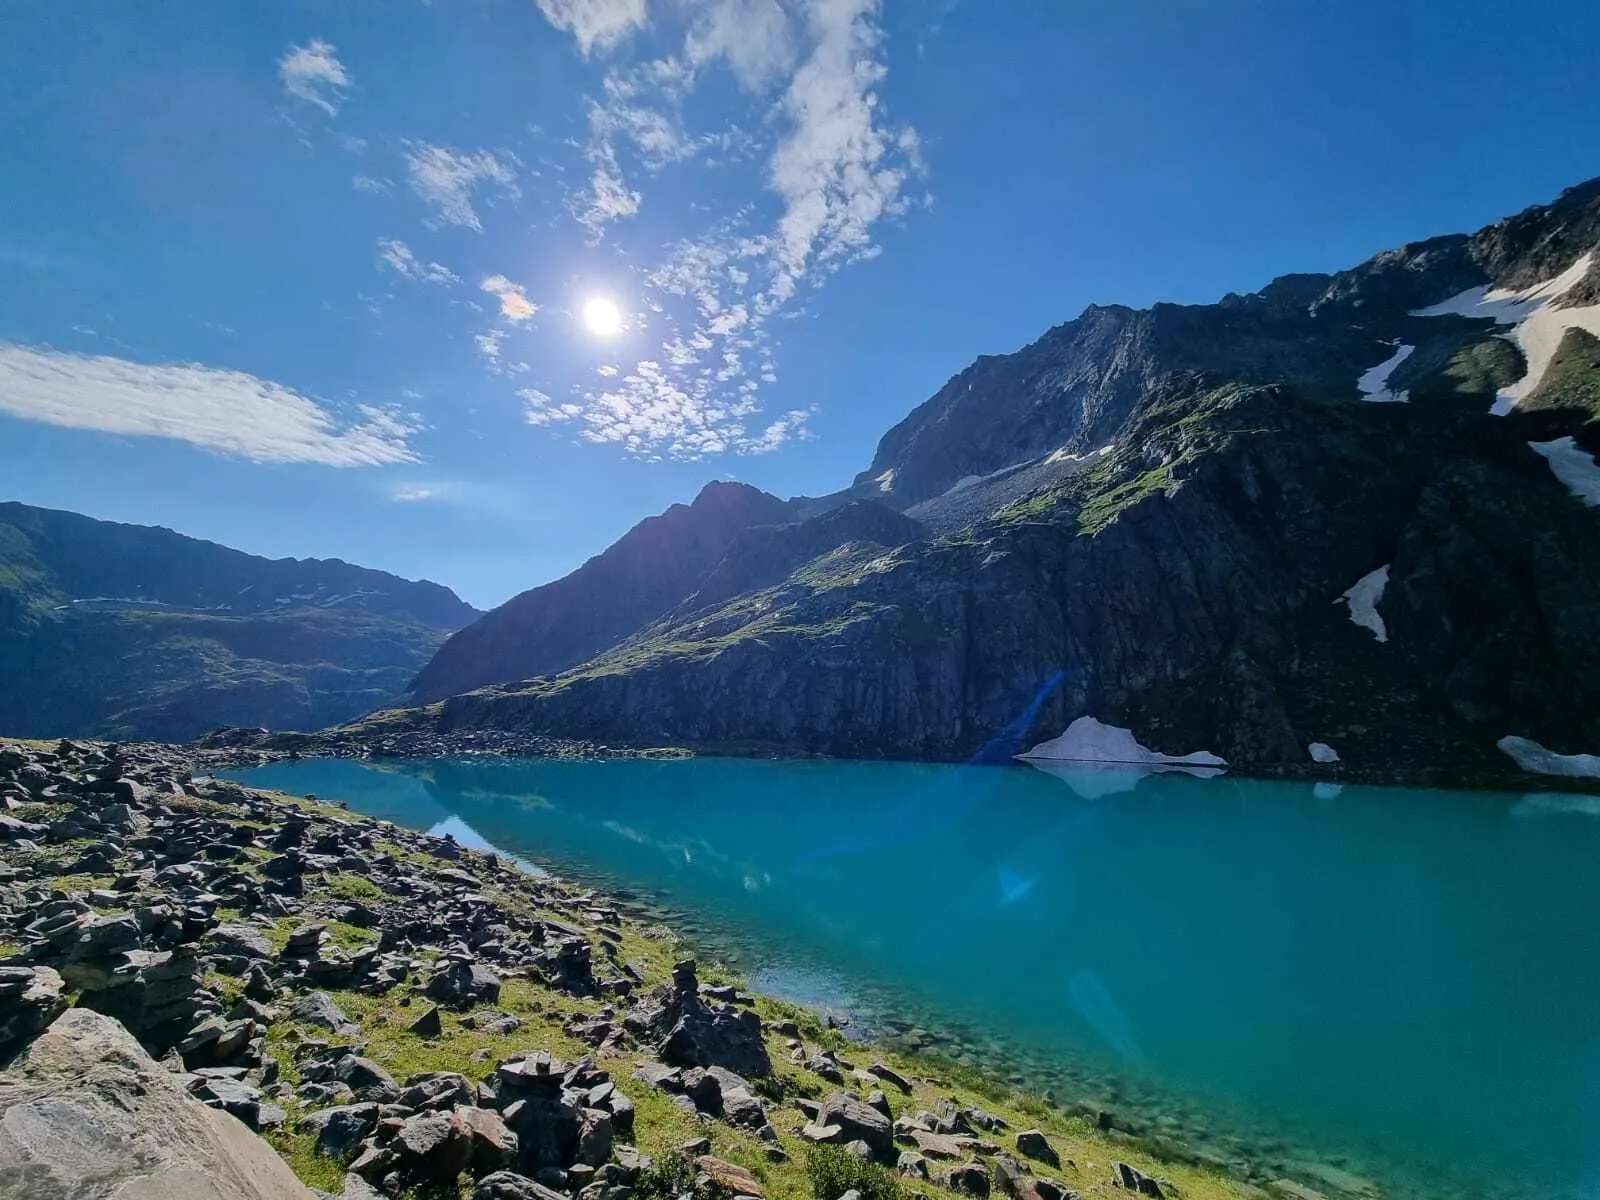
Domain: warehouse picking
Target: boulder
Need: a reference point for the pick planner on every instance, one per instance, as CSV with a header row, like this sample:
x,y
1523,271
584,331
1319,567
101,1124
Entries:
x,y
858,1121
968,1179
462,983
1032,1143
86,1102
690,1032
319,1009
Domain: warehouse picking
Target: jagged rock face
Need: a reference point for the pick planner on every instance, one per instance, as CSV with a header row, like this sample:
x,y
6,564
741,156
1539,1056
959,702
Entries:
x,y
87,1111
129,631
649,570
1190,582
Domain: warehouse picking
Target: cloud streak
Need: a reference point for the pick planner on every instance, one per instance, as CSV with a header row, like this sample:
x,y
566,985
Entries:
x,y
227,412
447,180
314,74
397,256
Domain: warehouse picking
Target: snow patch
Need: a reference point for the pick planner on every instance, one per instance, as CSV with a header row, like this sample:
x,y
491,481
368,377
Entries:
x,y
1374,384
1363,596
885,481
1537,327
1088,740
1322,752
1065,455
1534,758
1574,466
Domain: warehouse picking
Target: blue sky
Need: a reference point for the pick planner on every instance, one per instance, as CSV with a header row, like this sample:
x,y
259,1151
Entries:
x,y
310,278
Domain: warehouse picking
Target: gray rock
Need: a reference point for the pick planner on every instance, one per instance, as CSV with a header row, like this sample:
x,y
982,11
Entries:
x,y
968,1179
462,984
1032,1143
506,1185
858,1121
1134,1180
85,1101
319,1009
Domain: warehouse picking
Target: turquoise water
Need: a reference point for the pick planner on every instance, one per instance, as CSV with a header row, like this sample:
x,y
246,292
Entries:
x,y
1405,983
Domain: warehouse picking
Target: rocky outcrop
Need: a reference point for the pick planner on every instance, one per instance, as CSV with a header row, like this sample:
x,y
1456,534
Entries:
x,y
87,1112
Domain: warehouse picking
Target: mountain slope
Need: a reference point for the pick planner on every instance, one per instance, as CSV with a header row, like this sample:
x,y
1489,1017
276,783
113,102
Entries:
x,y
1159,518
130,631
645,573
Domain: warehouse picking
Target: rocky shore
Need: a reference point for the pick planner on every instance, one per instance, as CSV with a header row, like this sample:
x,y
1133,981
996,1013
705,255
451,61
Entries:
x,y
187,960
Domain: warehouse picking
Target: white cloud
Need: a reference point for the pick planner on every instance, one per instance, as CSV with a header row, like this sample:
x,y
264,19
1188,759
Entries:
x,y
397,256
839,169
542,410
366,183
446,179
229,412
313,73
594,23
514,302
754,36
607,371
835,164
414,494
491,345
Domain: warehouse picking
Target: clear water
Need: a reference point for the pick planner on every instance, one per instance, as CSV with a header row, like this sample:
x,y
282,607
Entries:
x,y
1405,983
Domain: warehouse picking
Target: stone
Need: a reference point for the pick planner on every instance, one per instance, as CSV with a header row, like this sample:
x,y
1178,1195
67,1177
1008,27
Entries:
x,y
339,1131
432,1146
366,1078
731,1178
436,1090
912,1165
891,1077
1032,1143
938,1145
428,1024
30,999
858,1121
462,984
968,1179
319,1009
690,1032
1134,1180
493,1144
506,1185
86,1101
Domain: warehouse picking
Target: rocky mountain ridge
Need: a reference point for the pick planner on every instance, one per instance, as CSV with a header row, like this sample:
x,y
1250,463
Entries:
x,y
1155,518
132,630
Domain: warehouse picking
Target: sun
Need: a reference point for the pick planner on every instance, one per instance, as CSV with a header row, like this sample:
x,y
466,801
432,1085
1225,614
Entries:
x,y
602,317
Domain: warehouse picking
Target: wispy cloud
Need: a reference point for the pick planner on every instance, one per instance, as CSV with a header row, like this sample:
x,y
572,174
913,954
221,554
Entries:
x,y
447,179
596,23
514,302
314,74
540,409
397,256
228,412
491,347
415,494
835,168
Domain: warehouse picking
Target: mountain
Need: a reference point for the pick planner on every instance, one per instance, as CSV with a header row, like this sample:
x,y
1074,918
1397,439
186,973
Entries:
x,y
1356,509
650,569
128,631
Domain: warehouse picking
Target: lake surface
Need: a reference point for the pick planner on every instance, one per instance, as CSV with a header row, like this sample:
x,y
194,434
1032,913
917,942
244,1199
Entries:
x,y
1402,983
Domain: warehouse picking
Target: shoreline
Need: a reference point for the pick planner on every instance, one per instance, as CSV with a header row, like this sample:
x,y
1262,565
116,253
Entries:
x,y
233,747
387,924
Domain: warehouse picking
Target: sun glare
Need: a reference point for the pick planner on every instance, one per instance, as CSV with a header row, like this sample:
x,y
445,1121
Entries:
x,y
602,316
